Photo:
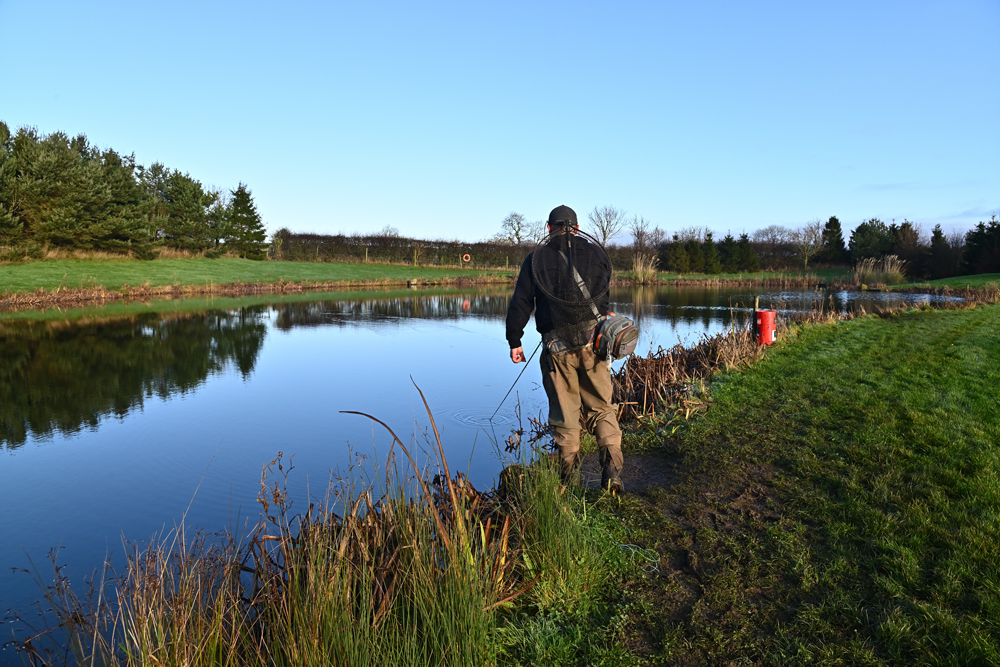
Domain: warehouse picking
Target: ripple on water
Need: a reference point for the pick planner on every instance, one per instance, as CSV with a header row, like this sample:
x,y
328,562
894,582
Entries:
x,y
504,419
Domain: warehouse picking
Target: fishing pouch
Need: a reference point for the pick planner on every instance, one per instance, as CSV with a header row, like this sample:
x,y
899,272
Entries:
x,y
616,337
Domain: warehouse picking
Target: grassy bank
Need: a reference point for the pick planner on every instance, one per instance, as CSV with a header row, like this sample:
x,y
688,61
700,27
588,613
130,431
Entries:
x,y
838,504
957,282
199,274
113,274
810,277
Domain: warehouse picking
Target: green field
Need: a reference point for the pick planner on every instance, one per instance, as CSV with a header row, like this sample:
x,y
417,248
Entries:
x,y
115,273
959,282
197,271
820,275
838,505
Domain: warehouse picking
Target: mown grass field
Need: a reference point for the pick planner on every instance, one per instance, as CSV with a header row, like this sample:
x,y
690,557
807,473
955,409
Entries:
x,y
114,273
839,504
958,282
822,275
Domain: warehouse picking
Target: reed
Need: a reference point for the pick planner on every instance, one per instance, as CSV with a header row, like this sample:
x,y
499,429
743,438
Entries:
x,y
644,385
880,272
644,268
410,571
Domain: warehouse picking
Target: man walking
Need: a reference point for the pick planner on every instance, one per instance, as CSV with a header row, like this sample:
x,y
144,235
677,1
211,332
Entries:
x,y
566,282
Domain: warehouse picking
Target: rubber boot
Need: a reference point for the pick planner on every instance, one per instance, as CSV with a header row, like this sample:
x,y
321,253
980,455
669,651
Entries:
x,y
611,480
569,470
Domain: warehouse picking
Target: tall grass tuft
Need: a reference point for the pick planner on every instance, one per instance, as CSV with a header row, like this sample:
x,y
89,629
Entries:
x,y
644,268
412,570
890,270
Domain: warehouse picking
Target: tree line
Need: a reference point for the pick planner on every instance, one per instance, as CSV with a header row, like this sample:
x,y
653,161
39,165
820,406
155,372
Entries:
x,y
64,192
689,250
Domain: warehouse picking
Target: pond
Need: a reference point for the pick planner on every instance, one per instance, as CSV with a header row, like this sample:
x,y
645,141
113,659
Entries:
x,y
119,422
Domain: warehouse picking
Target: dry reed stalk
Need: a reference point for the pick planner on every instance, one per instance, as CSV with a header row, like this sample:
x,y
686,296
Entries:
x,y
644,268
890,270
645,384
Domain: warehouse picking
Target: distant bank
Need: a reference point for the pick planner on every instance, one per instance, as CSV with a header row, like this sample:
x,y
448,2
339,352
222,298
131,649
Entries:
x,y
67,282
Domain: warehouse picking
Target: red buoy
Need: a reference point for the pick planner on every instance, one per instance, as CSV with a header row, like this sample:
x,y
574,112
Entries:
x,y
767,332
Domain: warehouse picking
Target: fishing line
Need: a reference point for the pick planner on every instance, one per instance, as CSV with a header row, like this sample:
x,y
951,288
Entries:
x,y
515,381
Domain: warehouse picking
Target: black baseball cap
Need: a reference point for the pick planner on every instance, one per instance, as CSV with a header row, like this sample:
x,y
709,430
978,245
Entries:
x,y
563,215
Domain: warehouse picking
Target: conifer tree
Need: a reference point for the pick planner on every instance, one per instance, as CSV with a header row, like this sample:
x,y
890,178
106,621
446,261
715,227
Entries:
x,y
10,224
247,233
872,238
677,257
747,259
982,248
942,262
834,249
728,254
696,258
711,255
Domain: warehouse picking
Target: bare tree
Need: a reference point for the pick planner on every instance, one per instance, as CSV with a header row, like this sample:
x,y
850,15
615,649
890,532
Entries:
x,y
537,231
808,241
774,245
692,234
638,226
514,229
607,221
657,237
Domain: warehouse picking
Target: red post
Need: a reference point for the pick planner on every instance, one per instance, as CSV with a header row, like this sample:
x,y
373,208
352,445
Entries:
x,y
767,332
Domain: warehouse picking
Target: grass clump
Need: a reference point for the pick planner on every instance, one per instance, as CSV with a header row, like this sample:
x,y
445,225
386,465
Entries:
x,y
644,268
414,571
889,270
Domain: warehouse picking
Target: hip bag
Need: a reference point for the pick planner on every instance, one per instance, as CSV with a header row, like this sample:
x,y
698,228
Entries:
x,y
616,337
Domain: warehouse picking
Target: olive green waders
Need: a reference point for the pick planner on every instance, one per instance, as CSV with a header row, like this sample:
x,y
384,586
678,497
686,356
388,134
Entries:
x,y
574,380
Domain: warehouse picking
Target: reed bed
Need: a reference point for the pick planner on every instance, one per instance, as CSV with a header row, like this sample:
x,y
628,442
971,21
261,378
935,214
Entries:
x,y
644,268
890,270
410,572
644,385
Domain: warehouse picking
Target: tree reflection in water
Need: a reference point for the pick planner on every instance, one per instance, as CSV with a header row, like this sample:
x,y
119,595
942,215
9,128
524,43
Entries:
x,y
61,377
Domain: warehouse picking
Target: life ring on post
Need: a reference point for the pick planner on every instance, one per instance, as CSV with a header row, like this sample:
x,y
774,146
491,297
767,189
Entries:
x,y
466,258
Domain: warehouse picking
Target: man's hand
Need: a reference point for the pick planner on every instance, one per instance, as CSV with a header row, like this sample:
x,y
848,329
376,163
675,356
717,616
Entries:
x,y
517,355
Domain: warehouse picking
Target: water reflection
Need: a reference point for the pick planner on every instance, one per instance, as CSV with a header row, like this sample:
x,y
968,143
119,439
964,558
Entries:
x,y
66,376
386,310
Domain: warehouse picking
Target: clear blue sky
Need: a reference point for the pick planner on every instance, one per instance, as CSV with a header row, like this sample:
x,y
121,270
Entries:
x,y
440,118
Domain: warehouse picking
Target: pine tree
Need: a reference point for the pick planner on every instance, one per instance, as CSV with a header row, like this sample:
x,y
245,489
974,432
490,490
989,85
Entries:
x,y
982,248
872,238
942,259
834,249
10,224
711,255
728,254
696,258
747,259
247,233
678,261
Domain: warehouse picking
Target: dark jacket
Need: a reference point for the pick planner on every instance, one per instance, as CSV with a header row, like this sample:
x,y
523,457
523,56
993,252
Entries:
x,y
528,297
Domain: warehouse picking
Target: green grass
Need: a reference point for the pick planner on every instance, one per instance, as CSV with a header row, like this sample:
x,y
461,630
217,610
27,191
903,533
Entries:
x,y
839,504
198,304
114,273
959,282
823,274
197,271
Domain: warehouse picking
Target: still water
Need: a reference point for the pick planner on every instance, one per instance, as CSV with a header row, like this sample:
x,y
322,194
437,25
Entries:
x,y
116,423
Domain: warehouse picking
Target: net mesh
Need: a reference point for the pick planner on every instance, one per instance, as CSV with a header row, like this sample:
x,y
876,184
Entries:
x,y
573,270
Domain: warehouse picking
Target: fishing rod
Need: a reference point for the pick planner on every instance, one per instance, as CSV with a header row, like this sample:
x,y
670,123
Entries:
x,y
515,381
